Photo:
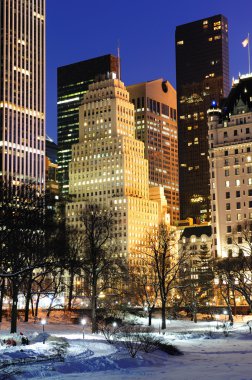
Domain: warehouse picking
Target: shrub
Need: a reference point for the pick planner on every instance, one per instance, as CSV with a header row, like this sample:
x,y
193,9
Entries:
x,y
59,345
109,332
170,349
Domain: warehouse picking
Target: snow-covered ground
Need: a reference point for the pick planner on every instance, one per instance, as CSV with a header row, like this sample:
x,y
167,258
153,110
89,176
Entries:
x,y
208,354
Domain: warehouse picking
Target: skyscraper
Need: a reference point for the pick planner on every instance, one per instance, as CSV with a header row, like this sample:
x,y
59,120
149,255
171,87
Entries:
x,y
22,91
202,65
108,168
230,147
156,125
73,82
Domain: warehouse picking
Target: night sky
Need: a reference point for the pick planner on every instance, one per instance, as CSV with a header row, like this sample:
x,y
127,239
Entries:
x,y
83,29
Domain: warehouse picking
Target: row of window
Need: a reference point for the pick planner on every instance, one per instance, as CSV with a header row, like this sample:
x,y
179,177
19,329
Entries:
x,y
235,132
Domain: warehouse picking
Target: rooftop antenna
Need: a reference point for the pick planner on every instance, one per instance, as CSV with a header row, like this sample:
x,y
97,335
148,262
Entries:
x,y
119,60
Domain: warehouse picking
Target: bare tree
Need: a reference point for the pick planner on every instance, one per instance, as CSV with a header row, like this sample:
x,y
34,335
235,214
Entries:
x,y
162,255
236,270
22,238
144,287
100,262
71,259
196,279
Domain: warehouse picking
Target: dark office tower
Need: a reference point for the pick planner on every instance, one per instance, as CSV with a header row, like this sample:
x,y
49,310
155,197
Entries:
x,y
22,92
73,82
202,65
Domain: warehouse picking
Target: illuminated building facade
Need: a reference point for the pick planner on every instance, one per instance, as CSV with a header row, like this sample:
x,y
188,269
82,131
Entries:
x,y
22,92
156,125
108,167
202,69
73,82
51,168
230,144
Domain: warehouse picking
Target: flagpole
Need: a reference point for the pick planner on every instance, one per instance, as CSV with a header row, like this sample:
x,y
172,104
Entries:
x,y
249,53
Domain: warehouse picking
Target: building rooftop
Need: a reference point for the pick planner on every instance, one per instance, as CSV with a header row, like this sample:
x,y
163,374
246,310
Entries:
x,y
197,231
239,100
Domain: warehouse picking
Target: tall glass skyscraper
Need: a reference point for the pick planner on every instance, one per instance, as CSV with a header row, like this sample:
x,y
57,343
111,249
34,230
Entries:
x,y
202,68
73,82
22,92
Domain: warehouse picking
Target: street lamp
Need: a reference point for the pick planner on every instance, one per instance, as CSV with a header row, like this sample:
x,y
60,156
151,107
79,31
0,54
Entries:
x,y
83,322
43,323
225,313
114,325
217,317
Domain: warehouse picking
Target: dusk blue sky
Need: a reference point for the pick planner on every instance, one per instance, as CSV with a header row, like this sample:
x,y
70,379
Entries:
x,y
83,29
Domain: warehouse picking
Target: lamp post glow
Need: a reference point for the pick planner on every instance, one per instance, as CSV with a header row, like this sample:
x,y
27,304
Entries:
x,y
43,323
83,322
225,313
114,325
217,317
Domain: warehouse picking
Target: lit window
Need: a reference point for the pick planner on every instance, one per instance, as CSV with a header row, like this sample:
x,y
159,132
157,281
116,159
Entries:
x,y
239,216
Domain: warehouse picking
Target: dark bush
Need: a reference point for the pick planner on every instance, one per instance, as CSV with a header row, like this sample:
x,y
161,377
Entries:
x,y
170,349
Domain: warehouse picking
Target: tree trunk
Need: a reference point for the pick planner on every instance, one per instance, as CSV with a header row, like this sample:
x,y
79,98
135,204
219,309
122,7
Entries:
x,y
70,294
163,315
235,306
195,320
37,305
50,306
28,298
14,312
94,307
1,299
150,317
32,307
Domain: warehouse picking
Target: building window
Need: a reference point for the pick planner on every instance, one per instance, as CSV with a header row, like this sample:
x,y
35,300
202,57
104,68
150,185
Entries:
x,y
237,182
235,132
247,130
227,206
239,216
228,217
238,205
229,229
225,134
250,204
229,240
236,151
236,161
239,240
226,172
250,192
227,183
227,195
237,171
249,169
239,228
226,162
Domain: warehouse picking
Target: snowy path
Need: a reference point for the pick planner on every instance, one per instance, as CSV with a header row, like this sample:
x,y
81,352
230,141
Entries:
x,y
220,358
